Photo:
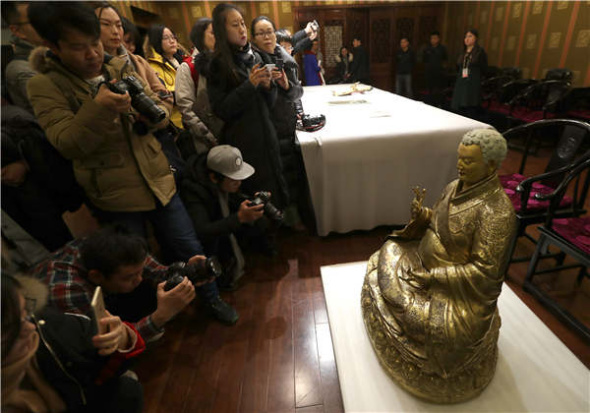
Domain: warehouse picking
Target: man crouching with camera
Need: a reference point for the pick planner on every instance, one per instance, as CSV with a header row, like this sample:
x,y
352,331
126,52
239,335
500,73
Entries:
x,y
210,191
136,287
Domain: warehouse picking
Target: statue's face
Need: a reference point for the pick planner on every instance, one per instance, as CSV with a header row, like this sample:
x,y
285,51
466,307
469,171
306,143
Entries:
x,y
471,166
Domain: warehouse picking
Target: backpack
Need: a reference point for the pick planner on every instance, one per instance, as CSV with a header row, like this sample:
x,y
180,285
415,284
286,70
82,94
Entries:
x,y
194,74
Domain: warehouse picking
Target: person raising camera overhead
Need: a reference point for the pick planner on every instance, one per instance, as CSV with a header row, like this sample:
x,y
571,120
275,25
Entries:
x,y
220,213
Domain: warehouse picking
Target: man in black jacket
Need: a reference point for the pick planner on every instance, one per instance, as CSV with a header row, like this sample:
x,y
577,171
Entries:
x,y
405,60
434,57
209,192
360,71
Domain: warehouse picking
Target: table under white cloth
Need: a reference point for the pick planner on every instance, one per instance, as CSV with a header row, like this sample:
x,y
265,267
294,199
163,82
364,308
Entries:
x,y
374,148
536,372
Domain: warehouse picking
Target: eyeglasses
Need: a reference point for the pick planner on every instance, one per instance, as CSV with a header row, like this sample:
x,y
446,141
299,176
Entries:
x,y
264,34
169,38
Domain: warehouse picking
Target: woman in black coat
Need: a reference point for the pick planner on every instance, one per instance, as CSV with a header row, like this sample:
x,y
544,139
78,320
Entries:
x,y
283,112
343,66
471,65
241,93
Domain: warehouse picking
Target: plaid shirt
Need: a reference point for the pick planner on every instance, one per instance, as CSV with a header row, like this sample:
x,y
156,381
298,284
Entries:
x,y
71,292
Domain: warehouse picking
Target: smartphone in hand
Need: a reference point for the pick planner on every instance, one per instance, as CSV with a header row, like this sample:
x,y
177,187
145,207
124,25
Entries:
x,y
98,310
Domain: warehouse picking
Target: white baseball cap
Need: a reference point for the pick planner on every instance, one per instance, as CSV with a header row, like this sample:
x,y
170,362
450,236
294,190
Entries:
x,y
227,160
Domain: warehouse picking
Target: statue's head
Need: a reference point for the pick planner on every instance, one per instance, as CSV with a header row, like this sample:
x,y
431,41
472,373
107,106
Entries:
x,y
480,153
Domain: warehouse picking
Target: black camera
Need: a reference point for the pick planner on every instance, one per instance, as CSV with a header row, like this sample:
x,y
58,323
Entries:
x,y
195,273
271,211
139,100
311,123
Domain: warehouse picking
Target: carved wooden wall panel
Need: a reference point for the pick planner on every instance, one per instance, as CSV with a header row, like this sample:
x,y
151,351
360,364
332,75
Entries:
x,y
404,27
332,42
380,40
426,26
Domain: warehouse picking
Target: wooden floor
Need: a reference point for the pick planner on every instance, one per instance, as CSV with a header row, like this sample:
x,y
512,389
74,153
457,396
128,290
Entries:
x,y
279,357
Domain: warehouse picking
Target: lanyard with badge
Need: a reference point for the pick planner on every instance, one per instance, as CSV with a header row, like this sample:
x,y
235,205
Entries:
x,y
466,63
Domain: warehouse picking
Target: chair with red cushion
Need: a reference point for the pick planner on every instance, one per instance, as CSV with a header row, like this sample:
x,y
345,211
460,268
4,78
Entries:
x,y
541,100
570,235
492,87
497,102
522,190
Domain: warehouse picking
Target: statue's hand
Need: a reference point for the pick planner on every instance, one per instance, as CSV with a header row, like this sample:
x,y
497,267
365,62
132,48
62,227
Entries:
x,y
416,209
417,202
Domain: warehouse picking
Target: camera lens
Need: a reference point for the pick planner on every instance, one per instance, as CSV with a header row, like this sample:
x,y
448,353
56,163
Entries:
x,y
147,107
273,212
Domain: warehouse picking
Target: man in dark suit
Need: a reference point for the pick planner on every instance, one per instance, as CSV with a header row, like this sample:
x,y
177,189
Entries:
x,y
360,71
434,57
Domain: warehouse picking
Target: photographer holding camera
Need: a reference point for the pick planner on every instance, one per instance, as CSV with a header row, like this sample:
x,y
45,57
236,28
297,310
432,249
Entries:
x,y
91,106
210,191
133,282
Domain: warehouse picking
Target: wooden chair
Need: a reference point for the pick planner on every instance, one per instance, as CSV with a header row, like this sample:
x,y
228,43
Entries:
x,y
497,103
570,235
541,100
559,73
573,135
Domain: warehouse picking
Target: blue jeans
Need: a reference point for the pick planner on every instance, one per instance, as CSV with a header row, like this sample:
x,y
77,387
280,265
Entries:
x,y
173,229
403,85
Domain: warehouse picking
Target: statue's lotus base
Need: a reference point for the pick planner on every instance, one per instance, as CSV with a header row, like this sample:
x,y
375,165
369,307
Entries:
x,y
464,385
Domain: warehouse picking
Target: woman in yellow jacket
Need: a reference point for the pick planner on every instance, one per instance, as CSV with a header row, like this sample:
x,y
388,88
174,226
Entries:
x,y
164,55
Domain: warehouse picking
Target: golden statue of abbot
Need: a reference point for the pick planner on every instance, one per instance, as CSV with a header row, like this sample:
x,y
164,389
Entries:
x,y
430,293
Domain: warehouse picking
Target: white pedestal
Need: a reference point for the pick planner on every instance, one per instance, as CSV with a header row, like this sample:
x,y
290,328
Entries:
x,y
536,372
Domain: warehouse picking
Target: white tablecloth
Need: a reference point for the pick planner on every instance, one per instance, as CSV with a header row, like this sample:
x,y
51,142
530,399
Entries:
x,y
536,372
362,165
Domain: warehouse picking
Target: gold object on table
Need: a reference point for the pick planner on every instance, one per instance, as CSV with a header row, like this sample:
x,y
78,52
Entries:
x,y
430,293
354,88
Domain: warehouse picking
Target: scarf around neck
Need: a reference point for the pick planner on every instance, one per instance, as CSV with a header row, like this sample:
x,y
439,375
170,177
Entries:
x,y
245,56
